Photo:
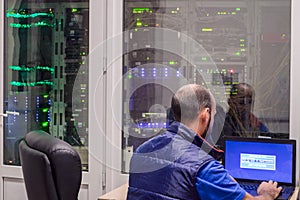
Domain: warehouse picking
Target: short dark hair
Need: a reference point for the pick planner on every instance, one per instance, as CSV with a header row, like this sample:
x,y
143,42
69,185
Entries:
x,y
189,100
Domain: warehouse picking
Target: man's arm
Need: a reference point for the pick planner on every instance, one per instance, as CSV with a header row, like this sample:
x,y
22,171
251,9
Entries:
x,y
265,191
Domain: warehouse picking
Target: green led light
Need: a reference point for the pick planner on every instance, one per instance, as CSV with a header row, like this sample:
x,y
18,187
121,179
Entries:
x,y
18,68
172,62
45,82
148,58
45,68
74,10
207,29
238,53
30,84
204,59
45,124
29,69
222,13
42,24
140,10
139,23
16,25
129,76
37,24
44,110
46,96
33,15
238,9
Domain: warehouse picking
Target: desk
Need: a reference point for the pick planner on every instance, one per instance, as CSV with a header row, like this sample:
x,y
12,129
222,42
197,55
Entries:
x,y
121,192
295,194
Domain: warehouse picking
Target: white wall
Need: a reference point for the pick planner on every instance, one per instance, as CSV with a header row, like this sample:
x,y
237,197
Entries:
x,y
295,80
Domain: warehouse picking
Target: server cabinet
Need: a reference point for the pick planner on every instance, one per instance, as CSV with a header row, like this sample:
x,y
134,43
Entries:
x,y
46,74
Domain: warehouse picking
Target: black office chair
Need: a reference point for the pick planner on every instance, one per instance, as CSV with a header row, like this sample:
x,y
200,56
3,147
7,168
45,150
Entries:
x,y
51,167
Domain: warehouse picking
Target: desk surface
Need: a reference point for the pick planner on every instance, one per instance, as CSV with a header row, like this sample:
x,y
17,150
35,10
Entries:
x,y
120,194
295,194
116,194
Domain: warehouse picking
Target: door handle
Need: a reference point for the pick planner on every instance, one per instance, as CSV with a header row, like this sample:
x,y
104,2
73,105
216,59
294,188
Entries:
x,y
3,114
9,113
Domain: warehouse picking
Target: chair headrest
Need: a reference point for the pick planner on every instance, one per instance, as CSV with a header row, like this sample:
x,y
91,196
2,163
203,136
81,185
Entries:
x,y
64,160
46,143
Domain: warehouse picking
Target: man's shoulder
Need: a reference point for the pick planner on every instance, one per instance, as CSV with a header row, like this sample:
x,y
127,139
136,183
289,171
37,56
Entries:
x,y
211,168
153,143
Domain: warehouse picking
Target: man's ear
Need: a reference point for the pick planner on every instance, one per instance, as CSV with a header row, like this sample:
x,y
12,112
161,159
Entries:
x,y
204,115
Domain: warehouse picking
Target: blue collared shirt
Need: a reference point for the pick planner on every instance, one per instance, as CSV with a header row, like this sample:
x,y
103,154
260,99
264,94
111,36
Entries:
x,y
214,182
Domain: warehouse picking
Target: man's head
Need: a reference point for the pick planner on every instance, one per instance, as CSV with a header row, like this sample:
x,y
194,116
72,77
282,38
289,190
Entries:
x,y
195,107
241,98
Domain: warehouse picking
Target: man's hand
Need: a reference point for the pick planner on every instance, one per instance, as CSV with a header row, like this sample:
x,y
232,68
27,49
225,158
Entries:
x,y
265,191
269,189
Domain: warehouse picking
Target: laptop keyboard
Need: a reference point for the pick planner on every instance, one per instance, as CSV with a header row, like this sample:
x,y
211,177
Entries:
x,y
252,189
248,186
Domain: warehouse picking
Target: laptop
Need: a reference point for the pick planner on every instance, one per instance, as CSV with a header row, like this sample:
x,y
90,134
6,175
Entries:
x,y
253,160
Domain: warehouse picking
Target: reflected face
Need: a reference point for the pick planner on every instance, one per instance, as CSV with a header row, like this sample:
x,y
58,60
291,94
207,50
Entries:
x,y
243,100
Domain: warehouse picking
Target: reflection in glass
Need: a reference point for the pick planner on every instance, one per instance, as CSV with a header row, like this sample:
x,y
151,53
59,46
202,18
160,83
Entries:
x,y
46,43
246,41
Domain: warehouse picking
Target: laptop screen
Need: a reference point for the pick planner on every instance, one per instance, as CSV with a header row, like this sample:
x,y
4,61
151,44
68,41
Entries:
x,y
260,159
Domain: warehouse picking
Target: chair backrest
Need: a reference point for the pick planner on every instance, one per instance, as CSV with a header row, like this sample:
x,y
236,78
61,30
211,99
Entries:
x,y
51,167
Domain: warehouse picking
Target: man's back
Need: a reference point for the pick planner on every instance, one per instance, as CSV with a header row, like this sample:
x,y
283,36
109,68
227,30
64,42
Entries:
x,y
166,166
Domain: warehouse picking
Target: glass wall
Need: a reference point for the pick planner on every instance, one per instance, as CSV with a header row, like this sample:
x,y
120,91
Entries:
x,y
239,50
46,77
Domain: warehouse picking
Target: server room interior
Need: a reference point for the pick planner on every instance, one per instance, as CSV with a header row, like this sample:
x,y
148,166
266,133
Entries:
x,y
46,69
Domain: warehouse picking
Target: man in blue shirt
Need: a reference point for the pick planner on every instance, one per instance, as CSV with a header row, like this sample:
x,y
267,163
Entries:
x,y
176,164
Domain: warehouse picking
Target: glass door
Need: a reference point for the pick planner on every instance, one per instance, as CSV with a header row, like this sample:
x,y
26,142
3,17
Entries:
x,y
46,73
222,45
